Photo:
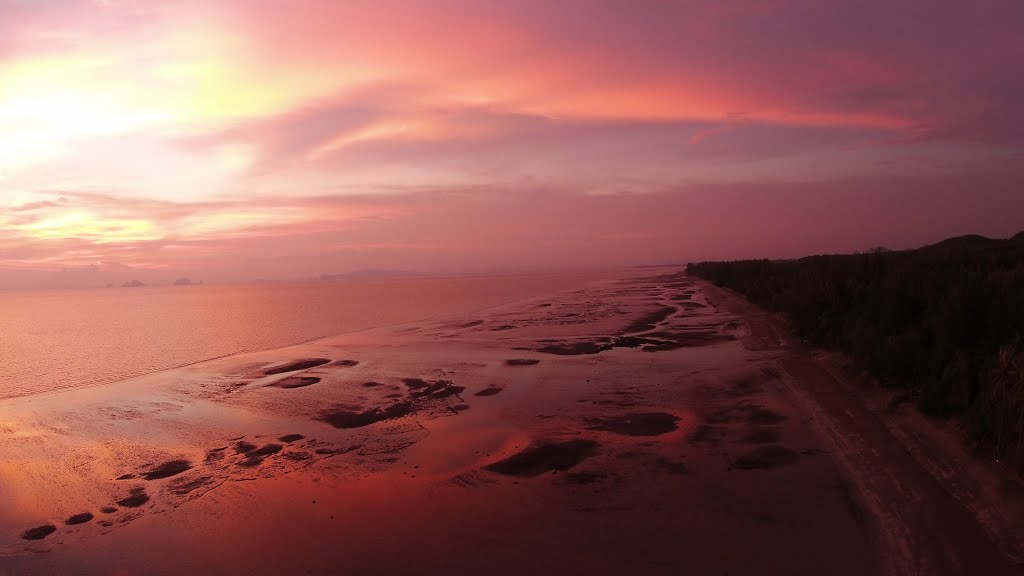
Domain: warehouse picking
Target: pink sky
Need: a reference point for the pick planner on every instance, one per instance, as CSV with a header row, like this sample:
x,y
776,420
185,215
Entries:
x,y
233,139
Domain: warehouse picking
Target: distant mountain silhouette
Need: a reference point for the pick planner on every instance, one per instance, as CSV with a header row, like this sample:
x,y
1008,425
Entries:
x,y
183,282
968,241
133,284
974,243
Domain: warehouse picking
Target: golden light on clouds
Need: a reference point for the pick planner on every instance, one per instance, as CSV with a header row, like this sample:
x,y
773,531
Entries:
x,y
239,221
90,226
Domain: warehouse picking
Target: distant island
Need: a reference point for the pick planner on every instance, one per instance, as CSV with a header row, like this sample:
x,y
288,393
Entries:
x,y
139,284
945,322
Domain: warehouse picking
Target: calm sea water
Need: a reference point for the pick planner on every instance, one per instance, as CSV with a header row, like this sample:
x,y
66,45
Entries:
x,y
58,340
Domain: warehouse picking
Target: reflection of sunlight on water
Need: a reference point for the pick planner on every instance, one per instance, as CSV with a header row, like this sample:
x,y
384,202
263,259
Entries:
x,y
25,500
463,442
56,340
379,475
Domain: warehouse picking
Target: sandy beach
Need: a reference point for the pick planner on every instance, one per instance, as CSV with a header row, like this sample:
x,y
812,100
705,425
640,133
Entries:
x,y
647,425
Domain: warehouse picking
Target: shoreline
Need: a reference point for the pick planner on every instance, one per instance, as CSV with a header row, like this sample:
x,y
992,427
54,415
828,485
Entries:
x,y
979,503
593,277
646,417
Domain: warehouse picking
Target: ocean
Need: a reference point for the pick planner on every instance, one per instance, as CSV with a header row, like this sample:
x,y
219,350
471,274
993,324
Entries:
x,y
59,340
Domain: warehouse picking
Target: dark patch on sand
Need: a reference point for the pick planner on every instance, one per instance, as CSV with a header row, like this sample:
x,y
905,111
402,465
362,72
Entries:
x,y
108,510
126,477
763,416
616,403
690,339
185,486
326,451
242,447
436,390
766,457
503,327
167,469
265,450
650,320
585,478
79,519
751,414
346,363
636,342
745,386
445,391
297,456
673,466
488,391
295,365
137,498
289,438
295,382
347,419
762,435
574,349
663,346
371,384
637,424
39,532
546,457
522,362
707,433
460,407
256,457
655,343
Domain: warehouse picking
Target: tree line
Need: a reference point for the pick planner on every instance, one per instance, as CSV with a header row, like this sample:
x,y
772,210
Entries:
x,y
945,321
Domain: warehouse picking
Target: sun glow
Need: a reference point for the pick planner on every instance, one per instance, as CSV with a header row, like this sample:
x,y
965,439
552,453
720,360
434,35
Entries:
x,y
96,229
48,104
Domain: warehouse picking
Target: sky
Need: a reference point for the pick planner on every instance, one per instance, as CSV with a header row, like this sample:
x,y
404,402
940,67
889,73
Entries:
x,y
237,139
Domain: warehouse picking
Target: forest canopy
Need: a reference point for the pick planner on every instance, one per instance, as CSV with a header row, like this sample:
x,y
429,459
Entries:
x,y
945,321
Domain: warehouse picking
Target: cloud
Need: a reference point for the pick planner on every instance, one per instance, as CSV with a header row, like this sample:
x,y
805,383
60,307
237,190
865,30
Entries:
x,y
32,206
233,135
486,229
865,63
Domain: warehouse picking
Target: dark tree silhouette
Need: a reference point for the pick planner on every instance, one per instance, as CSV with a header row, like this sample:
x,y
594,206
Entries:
x,y
946,321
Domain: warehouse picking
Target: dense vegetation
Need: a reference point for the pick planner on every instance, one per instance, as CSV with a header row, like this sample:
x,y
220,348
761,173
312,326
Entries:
x,y
945,321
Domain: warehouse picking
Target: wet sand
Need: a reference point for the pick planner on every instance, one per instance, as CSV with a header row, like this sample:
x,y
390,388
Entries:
x,y
652,425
